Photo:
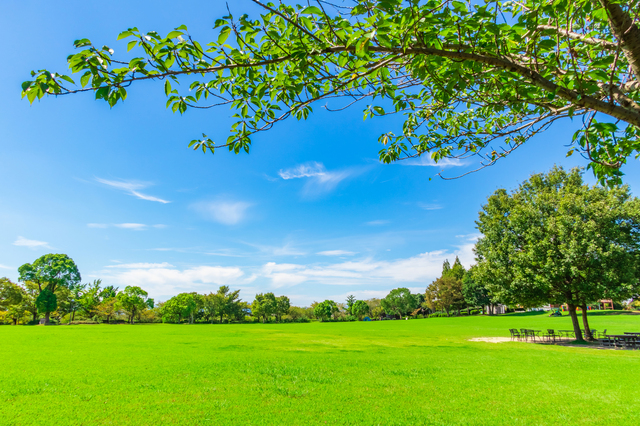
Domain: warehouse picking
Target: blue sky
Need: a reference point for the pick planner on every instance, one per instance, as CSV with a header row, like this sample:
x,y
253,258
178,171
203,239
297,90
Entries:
x,y
309,213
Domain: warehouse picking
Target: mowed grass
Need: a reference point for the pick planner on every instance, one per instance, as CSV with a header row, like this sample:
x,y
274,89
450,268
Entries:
x,y
419,372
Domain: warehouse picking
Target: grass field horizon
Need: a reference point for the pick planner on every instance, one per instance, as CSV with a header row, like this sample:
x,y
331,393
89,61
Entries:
x,y
383,372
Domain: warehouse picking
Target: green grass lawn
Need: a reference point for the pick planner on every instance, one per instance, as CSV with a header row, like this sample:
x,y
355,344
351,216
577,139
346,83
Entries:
x,y
418,372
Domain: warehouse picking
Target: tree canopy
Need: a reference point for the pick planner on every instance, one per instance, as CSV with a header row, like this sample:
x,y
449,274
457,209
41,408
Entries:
x,y
399,301
468,78
557,240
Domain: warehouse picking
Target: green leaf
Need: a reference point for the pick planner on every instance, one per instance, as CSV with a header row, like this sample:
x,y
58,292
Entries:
x,y
131,44
312,10
167,87
224,34
124,34
174,34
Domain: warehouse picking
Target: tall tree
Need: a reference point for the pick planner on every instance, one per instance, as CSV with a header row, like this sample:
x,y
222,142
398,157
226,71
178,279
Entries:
x,y
283,304
263,306
399,302
50,272
557,240
445,293
325,310
10,293
133,299
351,299
360,309
470,78
475,291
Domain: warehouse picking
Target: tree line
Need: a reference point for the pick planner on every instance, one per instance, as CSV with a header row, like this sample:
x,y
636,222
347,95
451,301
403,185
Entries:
x,y
553,240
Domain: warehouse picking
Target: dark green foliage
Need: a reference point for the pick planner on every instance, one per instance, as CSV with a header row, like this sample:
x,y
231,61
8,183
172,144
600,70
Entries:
x,y
46,301
399,302
556,240
470,78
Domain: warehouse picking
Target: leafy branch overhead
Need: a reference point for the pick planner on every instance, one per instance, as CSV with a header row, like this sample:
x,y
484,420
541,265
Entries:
x,y
468,78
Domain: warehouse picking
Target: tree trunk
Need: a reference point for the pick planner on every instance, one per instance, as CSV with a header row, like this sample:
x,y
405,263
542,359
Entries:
x,y
35,316
73,316
46,317
585,322
574,320
15,321
221,318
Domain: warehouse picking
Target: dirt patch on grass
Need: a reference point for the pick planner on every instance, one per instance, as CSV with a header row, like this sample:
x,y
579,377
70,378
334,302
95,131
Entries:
x,y
491,339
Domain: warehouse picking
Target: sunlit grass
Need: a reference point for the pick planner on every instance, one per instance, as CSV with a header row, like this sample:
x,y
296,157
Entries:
x,y
390,372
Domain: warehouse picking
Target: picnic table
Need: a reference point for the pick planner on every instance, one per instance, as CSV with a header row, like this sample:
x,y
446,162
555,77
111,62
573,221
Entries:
x,y
567,333
630,341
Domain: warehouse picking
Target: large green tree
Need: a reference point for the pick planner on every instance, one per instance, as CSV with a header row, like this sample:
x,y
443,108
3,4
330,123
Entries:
x,y
557,240
264,305
50,272
469,78
10,293
399,302
133,300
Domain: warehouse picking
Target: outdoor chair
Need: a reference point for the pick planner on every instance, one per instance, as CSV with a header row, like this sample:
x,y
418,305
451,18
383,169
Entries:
x,y
515,334
600,334
524,333
551,335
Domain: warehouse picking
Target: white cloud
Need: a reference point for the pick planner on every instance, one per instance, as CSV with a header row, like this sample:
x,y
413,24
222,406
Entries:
x,y
377,222
427,161
420,269
225,212
133,188
425,206
132,226
312,169
32,244
141,265
320,179
165,280
286,250
336,253
5,267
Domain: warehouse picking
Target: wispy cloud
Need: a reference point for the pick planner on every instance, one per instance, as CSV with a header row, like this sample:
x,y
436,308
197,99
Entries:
x,y
5,267
225,212
32,244
427,161
166,280
141,265
336,253
130,226
425,206
377,222
320,180
288,249
419,269
132,188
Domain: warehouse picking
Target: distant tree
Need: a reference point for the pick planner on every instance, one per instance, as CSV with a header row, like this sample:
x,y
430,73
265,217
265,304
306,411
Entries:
x,y
296,313
49,272
456,271
132,300
283,304
10,293
399,302
325,310
351,299
31,292
377,312
263,306
360,309
445,293
557,240
107,308
475,292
